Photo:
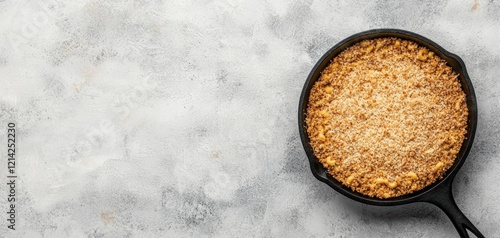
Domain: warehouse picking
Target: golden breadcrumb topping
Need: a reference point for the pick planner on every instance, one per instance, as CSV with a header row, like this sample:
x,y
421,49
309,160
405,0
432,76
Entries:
x,y
387,117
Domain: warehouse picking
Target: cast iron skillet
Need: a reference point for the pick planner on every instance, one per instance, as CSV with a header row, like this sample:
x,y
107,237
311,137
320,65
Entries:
x,y
438,193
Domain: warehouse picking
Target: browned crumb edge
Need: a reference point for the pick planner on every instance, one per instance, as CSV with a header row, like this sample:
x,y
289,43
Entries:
x,y
387,117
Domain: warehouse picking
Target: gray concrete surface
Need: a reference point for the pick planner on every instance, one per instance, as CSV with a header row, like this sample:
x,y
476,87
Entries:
x,y
152,118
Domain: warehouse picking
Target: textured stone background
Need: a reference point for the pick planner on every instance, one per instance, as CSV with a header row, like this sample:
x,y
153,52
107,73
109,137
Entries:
x,y
146,118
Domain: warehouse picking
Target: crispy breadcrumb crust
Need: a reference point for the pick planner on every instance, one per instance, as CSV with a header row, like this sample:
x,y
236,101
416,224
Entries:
x,y
387,117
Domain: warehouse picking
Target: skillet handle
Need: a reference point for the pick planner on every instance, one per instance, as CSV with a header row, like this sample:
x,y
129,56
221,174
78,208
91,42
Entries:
x,y
443,198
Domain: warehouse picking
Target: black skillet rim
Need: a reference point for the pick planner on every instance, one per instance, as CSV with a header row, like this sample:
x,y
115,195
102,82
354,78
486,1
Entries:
x,y
464,151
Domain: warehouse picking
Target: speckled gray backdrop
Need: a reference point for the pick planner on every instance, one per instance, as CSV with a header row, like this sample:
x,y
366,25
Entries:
x,y
152,118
